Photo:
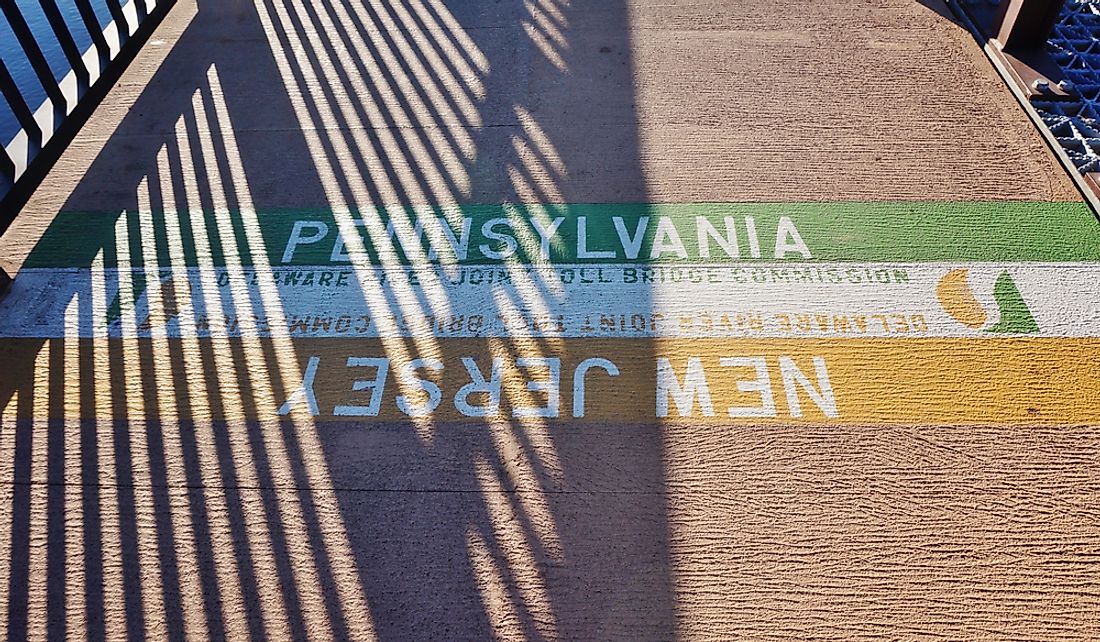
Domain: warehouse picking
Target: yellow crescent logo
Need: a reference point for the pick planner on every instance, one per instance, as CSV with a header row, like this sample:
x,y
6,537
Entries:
x,y
958,299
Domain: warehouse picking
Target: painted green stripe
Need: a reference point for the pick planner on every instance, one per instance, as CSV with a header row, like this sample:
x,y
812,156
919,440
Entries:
x,y
905,231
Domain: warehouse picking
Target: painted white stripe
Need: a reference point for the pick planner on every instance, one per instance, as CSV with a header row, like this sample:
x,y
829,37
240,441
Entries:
x,y
731,300
76,625
18,148
7,492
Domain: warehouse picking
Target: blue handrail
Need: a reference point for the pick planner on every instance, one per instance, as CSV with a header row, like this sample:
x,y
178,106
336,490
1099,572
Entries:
x,y
50,94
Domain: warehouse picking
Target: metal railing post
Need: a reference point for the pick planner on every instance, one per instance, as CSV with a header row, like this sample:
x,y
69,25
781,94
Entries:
x,y
115,7
20,108
34,56
27,156
65,40
1016,32
91,23
1025,24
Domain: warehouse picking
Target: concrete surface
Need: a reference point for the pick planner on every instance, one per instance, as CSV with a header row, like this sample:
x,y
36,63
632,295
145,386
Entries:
x,y
870,415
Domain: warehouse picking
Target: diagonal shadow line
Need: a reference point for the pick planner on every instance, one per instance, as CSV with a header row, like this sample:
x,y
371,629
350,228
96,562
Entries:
x,y
121,455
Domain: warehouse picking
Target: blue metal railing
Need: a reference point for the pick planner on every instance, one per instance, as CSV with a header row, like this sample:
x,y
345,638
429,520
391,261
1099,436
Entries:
x,y
57,58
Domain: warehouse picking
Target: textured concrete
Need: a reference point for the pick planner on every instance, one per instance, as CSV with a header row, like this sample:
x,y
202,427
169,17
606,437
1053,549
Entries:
x,y
150,490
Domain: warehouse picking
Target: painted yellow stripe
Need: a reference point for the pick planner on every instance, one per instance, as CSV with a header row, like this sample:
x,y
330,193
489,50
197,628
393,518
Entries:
x,y
941,381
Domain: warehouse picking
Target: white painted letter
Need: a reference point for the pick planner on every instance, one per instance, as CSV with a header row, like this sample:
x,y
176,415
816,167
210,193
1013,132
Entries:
x,y
707,231
460,246
552,387
338,253
304,391
582,243
407,377
631,246
578,380
296,238
376,386
762,385
754,240
509,241
546,234
410,247
665,229
792,376
785,231
479,384
695,382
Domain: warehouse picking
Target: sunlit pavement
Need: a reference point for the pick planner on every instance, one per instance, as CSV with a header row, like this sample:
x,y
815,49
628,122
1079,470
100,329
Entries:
x,y
552,320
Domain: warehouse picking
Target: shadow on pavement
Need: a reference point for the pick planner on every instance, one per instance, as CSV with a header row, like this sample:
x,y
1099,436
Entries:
x,y
180,462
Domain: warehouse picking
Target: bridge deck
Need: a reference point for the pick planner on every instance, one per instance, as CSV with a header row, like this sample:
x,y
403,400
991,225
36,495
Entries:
x,y
579,320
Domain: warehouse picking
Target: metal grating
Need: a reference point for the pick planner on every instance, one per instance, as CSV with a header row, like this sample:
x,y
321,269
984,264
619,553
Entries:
x,y
1074,46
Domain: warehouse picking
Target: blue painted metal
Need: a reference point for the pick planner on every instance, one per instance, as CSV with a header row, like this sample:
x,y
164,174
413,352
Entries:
x,y
55,63
1075,46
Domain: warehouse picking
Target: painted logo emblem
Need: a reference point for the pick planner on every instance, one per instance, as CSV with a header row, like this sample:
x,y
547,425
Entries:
x,y
1005,313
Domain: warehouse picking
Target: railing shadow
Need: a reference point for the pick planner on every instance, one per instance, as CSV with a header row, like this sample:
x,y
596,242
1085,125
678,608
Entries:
x,y
183,461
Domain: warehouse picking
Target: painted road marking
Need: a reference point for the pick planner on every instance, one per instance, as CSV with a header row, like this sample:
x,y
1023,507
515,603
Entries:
x,y
938,381
759,300
714,313
612,233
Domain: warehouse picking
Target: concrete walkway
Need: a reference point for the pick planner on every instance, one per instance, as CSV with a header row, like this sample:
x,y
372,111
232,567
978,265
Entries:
x,y
553,320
